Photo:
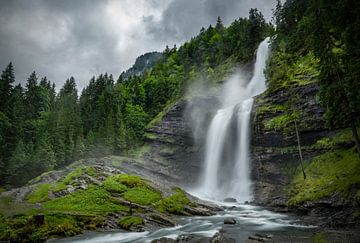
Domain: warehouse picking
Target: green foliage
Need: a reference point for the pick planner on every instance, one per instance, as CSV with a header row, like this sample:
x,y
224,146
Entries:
x,y
175,203
334,171
340,138
143,196
320,238
270,109
94,199
291,69
40,194
131,181
282,122
127,222
332,38
78,172
112,184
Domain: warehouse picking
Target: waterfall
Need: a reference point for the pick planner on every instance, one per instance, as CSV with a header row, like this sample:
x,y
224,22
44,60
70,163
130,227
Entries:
x,y
226,162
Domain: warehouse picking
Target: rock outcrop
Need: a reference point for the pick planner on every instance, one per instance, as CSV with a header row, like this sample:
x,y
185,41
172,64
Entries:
x,y
274,152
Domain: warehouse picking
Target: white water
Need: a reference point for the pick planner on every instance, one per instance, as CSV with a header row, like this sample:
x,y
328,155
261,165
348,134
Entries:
x,y
237,103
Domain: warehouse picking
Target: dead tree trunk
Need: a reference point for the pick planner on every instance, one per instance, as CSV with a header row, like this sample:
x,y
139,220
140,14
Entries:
x,y
299,147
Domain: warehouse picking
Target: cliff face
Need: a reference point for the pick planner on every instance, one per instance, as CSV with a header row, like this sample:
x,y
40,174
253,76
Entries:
x,y
328,195
275,155
172,147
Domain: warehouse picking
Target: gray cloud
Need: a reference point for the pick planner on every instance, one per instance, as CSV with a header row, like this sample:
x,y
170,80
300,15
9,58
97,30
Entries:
x,y
82,38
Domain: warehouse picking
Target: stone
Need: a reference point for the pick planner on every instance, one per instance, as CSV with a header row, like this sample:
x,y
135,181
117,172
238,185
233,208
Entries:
x,y
230,199
220,238
229,221
163,240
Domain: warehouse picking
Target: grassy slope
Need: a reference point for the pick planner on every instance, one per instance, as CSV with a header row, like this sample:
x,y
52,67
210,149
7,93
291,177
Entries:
x,y
83,209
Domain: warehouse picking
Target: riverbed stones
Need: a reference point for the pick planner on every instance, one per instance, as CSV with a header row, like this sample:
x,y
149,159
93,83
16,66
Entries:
x,y
230,199
229,221
220,238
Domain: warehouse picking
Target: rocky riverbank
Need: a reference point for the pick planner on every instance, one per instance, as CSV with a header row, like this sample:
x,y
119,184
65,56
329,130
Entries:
x,y
91,194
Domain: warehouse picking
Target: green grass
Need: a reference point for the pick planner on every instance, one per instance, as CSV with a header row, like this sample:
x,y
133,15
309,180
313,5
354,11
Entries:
x,y
342,137
143,196
112,184
175,203
95,200
127,222
270,109
40,194
78,172
131,180
282,122
59,186
334,171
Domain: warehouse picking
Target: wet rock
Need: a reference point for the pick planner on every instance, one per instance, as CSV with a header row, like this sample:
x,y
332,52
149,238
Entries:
x,y
260,237
160,219
230,199
229,221
198,211
163,240
220,238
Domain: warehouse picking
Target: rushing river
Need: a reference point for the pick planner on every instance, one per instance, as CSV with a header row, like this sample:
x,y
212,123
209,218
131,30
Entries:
x,y
250,219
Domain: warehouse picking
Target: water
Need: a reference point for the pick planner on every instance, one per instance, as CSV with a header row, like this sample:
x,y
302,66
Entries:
x,y
250,219
226,166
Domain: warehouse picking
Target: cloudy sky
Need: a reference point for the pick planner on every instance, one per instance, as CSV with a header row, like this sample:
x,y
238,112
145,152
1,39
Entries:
x,y
82,38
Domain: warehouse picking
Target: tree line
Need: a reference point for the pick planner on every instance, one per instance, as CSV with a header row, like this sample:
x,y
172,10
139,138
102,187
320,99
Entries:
x,y
329,30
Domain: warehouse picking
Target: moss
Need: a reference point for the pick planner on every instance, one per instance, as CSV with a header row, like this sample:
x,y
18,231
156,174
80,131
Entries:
x,y
112,184
340,138
59,186
95,200
143,196
332,172
320,238
40,194
131,180
262,109
175,203
23,228
78,172
127,222
282,122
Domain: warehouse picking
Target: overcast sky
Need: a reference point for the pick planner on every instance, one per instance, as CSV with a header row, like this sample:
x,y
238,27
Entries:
x,y
82,38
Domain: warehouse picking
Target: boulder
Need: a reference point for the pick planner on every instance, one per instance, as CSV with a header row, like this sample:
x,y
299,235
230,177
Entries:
x,y
220,238
230,199
229,221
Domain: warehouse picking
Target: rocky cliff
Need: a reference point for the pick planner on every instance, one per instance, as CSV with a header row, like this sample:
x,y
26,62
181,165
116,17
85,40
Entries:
x,y
276,163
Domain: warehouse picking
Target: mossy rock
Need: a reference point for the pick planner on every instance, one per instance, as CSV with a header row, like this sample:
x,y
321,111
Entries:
x,y
143,196
95,200
129,221
40,194
175,203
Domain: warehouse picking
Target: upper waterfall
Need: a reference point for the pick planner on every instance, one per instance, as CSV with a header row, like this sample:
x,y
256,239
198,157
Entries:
x,y
226,171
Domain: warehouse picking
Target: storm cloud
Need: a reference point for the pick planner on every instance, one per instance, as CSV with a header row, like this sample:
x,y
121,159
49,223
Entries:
x,y
83,38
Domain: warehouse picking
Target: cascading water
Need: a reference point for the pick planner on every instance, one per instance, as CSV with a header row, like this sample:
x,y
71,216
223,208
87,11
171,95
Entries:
x,y
237,103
